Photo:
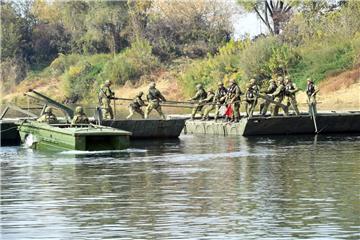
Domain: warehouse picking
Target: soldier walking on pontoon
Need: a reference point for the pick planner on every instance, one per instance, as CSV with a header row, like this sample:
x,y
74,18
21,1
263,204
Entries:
x,y
234,93
154,98
311,91
135,106
278,96
252,91
199,96
209,100
105,96
290,94
264,105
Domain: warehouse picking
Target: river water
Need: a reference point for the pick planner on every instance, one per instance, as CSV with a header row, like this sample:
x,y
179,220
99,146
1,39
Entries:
x,y
196,187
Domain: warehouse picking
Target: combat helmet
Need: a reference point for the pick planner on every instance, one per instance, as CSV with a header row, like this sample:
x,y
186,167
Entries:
x,y
252,81
309,80
152,85
79,110
220,83
232,81
199,86
107,83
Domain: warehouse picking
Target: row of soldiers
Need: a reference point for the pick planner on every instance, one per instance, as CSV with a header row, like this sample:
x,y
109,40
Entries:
x,y
153,97
206,101
283,89
276,93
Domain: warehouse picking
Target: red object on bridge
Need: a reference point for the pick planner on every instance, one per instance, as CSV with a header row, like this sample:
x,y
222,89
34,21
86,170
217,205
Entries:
x,y
229,111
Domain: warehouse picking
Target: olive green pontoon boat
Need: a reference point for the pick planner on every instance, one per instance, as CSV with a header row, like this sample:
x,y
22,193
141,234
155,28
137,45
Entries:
x,y
85,137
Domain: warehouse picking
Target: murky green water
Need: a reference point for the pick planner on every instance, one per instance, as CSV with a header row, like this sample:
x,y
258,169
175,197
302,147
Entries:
x,y
196,187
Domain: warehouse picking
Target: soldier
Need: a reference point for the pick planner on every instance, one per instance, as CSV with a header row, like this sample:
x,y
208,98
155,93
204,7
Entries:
x,y
135,106
154,98
290,91
234,93
48,116
278,96
199,96
220,98
105,96
265,104
311,91
252,91
79,117
209,99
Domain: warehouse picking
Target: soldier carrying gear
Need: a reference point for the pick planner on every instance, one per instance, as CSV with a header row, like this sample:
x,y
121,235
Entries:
x,y
278,96
105,96
265,104
48,116
135,106
209,99
79,117
311,91
290,91
233,98
154,98
251,94
199,96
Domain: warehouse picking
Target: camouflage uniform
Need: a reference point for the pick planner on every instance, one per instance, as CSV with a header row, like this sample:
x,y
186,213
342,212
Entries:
x,y
290,91
219,99
105,96
311,91
252,90
278,96
234,99
154,98
48,116
80,117
265,104
200,95
209,99
135,106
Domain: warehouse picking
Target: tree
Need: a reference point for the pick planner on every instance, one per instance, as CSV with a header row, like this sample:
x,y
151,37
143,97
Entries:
x,y
274,14
10,31
187,28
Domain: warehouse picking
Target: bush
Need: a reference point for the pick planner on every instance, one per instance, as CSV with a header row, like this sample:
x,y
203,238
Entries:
x,y
80,79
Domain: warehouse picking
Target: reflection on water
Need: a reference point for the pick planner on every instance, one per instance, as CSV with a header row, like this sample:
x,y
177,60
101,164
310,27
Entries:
x,y
194,187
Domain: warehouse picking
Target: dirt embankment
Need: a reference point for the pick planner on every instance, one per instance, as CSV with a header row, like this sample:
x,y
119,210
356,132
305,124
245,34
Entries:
x,y
339,92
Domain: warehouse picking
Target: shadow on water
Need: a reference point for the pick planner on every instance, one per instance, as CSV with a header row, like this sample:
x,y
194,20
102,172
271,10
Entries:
x,y
201,187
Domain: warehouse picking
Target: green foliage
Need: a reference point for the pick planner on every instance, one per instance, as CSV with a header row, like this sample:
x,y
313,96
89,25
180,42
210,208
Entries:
x,y
80,78
321,60
131,63
220,67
